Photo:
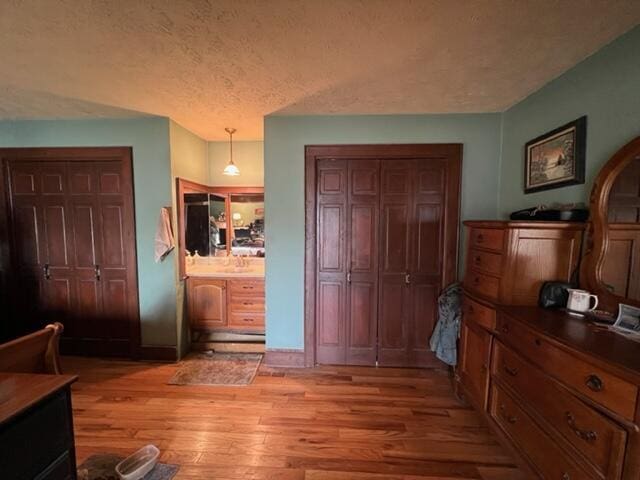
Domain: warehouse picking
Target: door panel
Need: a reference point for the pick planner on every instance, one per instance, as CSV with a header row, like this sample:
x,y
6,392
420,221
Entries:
x,y
394,302
386,245
331,296
73,244
362,280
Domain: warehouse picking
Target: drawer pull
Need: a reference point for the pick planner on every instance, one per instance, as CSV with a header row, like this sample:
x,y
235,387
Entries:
x,y
477,261
476,281
247,319
588,436
594,383
246,287
511,370
247,303
507,417
480,238
505,328
566,476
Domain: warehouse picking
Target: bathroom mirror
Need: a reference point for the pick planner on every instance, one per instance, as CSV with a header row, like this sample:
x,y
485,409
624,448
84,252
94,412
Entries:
x,y
612,263
219,221
247,214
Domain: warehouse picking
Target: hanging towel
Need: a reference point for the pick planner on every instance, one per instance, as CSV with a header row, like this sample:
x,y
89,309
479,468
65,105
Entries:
x,y
164,242
445,335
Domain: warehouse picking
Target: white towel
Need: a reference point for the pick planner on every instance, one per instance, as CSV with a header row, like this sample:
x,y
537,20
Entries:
x,y
164,235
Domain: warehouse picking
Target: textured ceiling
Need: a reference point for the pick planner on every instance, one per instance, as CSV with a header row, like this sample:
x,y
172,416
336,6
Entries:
x,y
210,64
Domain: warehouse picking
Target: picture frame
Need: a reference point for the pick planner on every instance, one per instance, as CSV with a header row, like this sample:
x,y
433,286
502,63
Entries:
x,y
557,158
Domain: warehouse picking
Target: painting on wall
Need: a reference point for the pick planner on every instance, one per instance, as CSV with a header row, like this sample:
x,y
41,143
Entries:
x,y
556,159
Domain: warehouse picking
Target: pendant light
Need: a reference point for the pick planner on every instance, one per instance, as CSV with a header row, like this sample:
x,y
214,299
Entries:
x,y
231,168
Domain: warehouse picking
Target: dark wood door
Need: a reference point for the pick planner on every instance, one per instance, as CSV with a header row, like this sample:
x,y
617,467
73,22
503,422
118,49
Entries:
x,y
386,245
332,271
70,213
395,261
362,251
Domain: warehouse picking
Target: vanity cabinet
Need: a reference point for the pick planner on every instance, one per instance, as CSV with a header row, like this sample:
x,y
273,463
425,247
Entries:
x,y
228,304
207,303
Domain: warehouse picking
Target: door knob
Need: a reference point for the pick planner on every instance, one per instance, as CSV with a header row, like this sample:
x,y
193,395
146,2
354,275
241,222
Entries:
x,y
349,277
47,273
407,278
97,272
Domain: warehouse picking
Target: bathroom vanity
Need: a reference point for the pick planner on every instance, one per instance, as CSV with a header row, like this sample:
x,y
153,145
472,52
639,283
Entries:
x,y
225,296
221,248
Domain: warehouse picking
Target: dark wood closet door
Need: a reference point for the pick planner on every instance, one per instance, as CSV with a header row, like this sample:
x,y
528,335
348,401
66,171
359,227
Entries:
x,y
395,261
43,289
385,235
332,262
426,278
73,246
362,277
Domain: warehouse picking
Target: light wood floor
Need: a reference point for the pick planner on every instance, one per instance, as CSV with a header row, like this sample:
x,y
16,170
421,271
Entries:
x,y
325,423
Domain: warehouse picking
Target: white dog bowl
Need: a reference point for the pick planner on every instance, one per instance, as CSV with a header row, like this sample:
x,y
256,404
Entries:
x,y
136,466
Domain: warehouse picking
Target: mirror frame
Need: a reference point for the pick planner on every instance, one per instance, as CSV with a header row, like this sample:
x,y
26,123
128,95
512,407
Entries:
x,y
598,232
187,186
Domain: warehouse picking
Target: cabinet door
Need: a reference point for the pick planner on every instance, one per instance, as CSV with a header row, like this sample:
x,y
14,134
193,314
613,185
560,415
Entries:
x,y
475,352
207,303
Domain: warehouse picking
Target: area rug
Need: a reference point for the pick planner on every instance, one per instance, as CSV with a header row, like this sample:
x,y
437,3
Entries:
x,y
102,466
217,369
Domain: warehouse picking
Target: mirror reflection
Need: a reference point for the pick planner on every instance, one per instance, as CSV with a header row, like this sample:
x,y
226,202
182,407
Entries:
x,y
621,268
210,233
247,213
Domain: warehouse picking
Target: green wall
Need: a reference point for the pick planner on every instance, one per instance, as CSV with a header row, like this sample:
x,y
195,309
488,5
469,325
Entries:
x,y
285,139
188,161
606,88
149,138
247,155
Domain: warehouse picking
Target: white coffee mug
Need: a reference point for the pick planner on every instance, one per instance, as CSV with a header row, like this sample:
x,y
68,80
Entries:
x,y
580,300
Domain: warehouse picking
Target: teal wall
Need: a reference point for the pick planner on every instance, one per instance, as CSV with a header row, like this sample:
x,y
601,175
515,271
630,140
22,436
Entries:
x,y
247,155
606,88
285,139
189,160
149,138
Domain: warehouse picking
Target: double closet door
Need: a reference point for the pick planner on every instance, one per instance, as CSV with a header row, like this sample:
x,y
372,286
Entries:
x,y
72,246
386,246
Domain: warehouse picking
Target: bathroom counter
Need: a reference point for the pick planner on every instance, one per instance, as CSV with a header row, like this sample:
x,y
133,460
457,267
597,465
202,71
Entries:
x,y
225,272
223,268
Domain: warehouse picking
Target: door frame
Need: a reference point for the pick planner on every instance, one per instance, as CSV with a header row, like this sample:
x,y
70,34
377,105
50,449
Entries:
x,y
426,152
77,154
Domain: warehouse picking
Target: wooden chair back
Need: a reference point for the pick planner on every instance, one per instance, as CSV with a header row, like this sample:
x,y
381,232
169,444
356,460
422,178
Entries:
x,y
37,352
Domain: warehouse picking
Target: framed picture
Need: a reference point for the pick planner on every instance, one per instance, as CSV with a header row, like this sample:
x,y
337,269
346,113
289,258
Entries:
x,y
556,159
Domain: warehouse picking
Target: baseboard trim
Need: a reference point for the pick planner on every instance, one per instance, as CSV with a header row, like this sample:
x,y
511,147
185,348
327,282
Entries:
x,y
161,353
282,357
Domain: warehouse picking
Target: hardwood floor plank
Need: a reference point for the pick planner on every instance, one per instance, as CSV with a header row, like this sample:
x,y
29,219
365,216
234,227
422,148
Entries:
x,y
326,423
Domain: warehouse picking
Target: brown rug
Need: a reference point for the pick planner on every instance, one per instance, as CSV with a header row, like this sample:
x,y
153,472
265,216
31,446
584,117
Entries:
x,y
103,467
217,369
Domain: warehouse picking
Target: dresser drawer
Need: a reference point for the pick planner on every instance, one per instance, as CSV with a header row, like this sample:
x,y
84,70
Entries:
x,y
246,320
599,439
476,312
246,287
602,387
485,261
239,303
485,285
488,238
547,457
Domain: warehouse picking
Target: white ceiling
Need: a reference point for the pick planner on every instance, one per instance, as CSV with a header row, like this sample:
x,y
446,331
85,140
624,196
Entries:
x,y
210,64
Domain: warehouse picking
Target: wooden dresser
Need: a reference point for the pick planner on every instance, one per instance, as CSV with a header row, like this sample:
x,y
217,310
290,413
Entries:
x,y
36,427
562,392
